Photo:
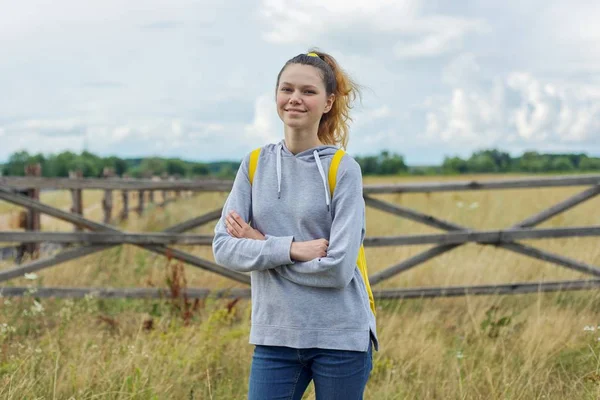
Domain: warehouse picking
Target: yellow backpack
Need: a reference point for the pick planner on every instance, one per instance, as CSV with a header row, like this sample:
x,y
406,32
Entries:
x,y
335,162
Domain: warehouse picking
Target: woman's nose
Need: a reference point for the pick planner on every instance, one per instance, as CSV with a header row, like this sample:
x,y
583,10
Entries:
x,y
294,98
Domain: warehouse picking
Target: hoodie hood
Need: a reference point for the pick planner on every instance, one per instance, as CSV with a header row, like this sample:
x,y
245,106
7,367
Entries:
x,y
309,155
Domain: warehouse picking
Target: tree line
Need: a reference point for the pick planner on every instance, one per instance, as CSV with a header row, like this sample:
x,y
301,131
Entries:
x,y
91,165
531,161
385,163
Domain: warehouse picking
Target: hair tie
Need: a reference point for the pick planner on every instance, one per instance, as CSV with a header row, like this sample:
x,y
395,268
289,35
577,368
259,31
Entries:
x,y
313,55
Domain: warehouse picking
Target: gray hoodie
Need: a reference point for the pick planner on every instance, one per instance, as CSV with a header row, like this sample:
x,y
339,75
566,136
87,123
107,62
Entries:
x,y
319,303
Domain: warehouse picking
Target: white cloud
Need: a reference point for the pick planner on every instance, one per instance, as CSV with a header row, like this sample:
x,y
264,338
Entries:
x,y
294,21
461,119
367,116
31,16
266,126
416,35
578,20
461,70
120,132
518,108
534,118
52,127
434,35
381,112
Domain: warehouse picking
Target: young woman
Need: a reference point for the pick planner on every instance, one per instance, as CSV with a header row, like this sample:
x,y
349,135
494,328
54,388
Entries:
x,y
312,316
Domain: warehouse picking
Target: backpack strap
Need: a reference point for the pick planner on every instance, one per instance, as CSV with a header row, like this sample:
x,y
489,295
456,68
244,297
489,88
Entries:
x,y
253,163
333,168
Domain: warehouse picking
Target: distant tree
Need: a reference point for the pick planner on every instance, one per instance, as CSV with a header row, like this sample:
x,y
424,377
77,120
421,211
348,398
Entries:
x,y
16,163
369,165
501,159
199,169
176,167
118,164
561,164
226,172
89,166
532,161
153,166
482,162
453,165
391,164
590,164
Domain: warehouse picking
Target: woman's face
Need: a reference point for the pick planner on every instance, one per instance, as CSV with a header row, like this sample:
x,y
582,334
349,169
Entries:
x,y
301,96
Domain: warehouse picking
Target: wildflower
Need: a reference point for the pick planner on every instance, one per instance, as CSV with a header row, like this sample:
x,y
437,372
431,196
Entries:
x,y
37,308
460,204
460,355
589,328
31,276
474,205
5,328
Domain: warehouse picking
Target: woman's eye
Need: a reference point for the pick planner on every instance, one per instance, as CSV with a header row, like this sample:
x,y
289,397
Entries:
x,y
310,91
285,89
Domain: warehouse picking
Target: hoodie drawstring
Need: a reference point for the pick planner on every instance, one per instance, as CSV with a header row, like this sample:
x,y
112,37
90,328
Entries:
x,y
279,149
319,166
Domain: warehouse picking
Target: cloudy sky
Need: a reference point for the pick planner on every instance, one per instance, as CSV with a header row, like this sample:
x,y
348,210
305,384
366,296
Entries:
x,y
195,79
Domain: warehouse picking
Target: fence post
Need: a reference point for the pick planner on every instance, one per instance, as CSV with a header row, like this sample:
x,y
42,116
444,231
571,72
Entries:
x,y
140,208
125,194
32,220
164,177
76,197
177,177
107,201
151,192
148,176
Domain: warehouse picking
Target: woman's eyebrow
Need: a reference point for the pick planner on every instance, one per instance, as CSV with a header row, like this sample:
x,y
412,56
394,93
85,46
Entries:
x,y
290,84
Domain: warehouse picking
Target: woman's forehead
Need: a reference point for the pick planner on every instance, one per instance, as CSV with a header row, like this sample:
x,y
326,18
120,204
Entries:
x,y
299,74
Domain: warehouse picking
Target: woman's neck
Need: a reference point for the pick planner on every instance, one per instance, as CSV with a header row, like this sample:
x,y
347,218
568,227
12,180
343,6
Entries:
x,y
298,141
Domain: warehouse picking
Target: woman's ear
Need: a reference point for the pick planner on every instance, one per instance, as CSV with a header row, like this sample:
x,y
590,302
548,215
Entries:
x,y
329,104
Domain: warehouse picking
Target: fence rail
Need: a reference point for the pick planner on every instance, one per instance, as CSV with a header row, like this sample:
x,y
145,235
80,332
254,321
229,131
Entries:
x,y
104,235
484,237
216,185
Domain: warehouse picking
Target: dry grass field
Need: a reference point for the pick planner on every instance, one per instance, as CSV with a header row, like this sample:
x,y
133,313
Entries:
x,y
533,346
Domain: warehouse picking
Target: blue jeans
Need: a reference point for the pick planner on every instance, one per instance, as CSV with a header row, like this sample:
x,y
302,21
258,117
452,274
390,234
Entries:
x,y
284,373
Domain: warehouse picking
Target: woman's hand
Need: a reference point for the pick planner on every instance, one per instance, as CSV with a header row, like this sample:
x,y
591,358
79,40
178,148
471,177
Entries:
x,y
299,251
309,250
238,228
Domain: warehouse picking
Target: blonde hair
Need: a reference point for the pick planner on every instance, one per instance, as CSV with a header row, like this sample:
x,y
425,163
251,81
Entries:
x,y
334,125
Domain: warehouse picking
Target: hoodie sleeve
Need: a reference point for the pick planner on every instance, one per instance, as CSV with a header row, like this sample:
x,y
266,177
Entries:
x,y
347,231
244,255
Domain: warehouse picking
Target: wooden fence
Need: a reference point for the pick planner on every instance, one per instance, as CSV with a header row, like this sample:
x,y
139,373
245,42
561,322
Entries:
x,y
102,236
32,183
